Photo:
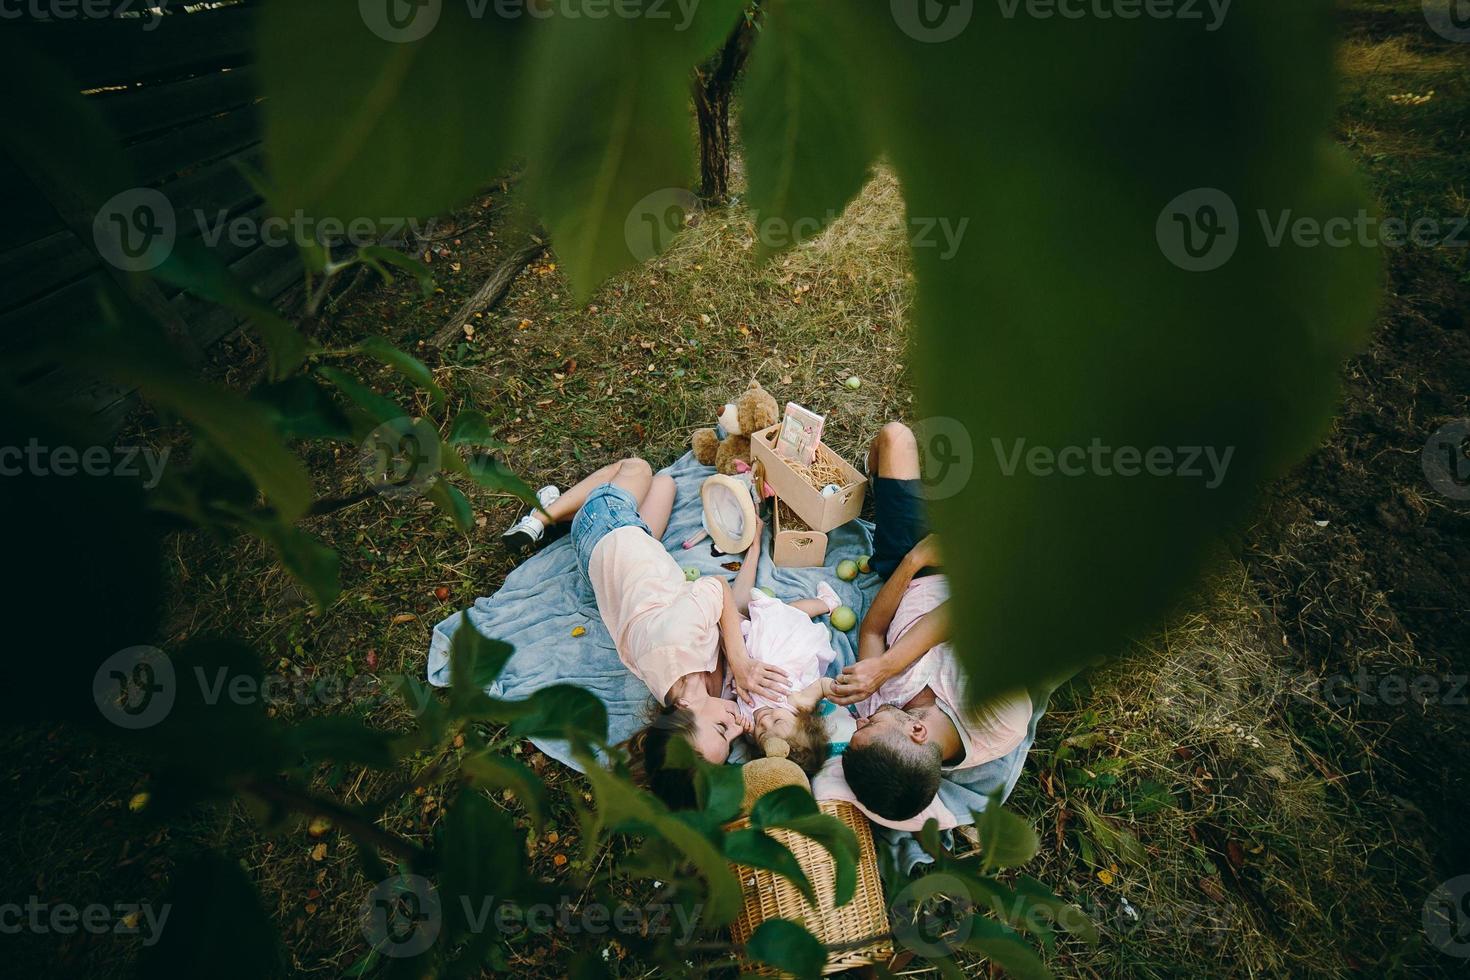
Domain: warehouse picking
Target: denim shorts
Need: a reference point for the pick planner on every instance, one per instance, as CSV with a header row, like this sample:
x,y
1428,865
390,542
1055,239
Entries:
x,y
607,509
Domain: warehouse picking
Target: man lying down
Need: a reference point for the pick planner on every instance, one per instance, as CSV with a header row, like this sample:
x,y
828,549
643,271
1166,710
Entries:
x,y
914,721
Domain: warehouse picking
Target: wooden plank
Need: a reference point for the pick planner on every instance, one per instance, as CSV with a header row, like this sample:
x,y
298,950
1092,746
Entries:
x,y
28,215
47,318
136,112
187,148
43,265
120,51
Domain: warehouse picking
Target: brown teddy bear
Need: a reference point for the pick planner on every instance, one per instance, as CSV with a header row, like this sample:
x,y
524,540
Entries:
x,y
754,410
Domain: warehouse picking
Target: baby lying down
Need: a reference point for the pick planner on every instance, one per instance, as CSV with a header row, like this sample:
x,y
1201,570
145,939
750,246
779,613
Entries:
x,y
804,727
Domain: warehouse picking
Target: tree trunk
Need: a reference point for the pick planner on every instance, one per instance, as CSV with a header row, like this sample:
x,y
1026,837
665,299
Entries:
x,y
714,84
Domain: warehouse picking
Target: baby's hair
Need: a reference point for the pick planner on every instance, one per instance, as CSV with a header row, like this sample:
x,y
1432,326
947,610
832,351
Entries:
x,y
808,742
648,751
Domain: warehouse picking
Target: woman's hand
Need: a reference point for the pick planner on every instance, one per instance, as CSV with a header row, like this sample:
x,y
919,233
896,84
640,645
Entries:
x,y
860,681
752,677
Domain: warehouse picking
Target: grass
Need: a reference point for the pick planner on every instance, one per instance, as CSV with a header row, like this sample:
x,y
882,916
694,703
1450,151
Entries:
x,y
1211,809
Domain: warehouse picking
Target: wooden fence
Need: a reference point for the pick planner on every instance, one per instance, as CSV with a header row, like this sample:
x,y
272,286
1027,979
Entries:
x,y
180,92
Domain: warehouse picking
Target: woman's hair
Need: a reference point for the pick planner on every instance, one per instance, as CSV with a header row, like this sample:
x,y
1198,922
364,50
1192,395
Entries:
x,y
648,751
808,742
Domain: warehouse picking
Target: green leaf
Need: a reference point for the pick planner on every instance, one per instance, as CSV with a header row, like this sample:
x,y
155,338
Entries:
x,y
313,564
793,808
807,145
561,711
471,428
368,119
1006,948
492,474
720,790
194,268
242,429
381,409
339,739
1061,315
482,857
1034,895
609,147
1006,840
475,661
454,503
759,850
410,367
619,803
784,803
788,947
379,254
302,408
498,772
212,906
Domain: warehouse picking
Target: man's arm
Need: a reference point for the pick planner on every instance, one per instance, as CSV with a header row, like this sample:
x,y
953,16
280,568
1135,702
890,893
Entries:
x,y
873,634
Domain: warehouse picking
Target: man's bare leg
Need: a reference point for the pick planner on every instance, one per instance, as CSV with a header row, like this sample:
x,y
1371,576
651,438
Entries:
x,y
894,453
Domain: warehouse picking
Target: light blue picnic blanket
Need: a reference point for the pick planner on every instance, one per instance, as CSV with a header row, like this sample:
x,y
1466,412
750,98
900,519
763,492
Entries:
x,y
546,598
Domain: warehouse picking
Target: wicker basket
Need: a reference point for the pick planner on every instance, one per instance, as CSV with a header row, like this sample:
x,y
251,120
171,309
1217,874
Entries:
x,y
857,933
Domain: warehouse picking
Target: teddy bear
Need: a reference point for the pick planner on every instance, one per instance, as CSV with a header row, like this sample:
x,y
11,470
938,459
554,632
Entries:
x,y
754,410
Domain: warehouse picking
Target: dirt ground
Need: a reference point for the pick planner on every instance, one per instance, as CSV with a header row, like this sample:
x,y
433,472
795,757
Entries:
x,y
1258,789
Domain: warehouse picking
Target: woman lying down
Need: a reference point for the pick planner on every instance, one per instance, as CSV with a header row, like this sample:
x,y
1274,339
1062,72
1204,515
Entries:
x,y
714,674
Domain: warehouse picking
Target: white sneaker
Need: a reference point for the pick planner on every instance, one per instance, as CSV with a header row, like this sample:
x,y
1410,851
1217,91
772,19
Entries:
x,y
528,531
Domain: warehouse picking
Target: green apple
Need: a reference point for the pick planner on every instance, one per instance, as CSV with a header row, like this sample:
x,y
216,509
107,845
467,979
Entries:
x,y
843,618
767,590
847,569
854,382
690,574
864,563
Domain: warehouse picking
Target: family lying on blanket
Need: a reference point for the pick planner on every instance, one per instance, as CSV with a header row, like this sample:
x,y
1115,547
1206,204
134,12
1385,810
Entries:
x,y
725,662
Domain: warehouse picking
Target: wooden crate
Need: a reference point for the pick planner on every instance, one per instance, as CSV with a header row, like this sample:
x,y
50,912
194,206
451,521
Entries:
x,y
821,513
793,548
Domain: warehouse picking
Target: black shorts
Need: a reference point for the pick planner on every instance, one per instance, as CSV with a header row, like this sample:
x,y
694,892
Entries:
x,y
899,523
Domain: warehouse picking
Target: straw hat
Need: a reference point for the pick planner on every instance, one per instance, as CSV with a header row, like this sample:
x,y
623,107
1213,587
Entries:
x,y
729,512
